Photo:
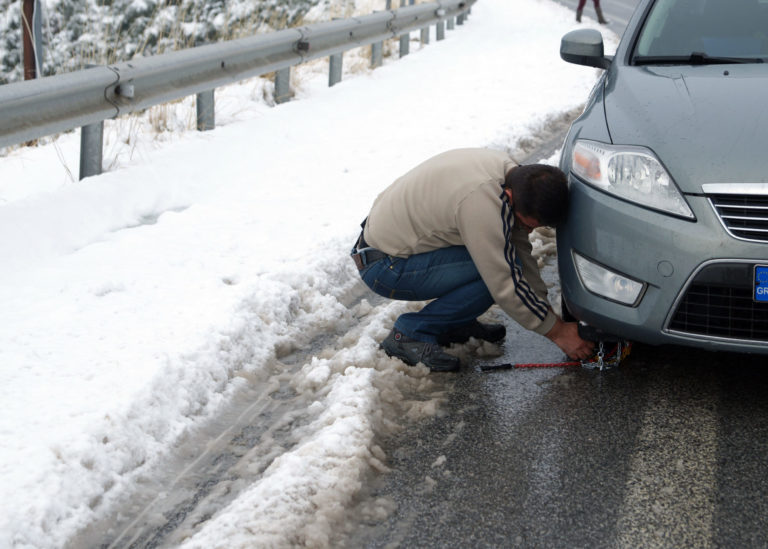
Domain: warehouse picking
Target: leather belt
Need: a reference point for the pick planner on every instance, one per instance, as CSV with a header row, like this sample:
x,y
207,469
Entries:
x,y
363,255
366,256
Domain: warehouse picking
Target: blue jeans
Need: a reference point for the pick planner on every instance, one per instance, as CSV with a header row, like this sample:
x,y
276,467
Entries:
x,y
447,275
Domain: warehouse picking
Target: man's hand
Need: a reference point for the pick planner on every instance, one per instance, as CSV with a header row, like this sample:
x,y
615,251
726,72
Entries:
x,y
566,336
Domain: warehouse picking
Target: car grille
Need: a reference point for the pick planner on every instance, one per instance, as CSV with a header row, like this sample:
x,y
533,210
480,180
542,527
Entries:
x,y
719,303
744,215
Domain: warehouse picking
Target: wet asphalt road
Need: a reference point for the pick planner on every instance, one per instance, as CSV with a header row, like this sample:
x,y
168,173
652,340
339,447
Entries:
x,y
670,449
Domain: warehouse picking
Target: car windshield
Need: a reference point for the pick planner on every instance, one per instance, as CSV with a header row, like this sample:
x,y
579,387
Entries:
x,y
704,32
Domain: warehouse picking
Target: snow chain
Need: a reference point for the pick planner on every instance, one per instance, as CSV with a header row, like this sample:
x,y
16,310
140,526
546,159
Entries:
x,y
602,362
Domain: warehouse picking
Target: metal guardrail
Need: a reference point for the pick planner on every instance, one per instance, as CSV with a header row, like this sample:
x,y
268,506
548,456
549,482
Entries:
x,y
49,105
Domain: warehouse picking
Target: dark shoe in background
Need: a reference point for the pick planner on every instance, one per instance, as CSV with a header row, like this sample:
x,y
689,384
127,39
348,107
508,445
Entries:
x,y
412,351
487,332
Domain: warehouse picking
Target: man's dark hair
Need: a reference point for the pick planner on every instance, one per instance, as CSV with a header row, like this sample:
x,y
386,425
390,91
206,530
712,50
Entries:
x,y
539,191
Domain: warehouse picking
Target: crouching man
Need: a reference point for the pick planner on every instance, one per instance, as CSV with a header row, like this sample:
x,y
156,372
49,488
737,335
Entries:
x,y
454,230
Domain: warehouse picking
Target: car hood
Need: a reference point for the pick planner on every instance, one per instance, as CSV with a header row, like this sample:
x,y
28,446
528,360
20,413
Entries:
x,y
707,124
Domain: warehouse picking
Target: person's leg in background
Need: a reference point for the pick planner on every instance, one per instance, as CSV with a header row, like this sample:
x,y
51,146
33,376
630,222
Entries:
x,y
579,9
600,19
598,10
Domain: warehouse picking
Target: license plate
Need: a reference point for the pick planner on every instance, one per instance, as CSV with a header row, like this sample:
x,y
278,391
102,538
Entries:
x,y
761,283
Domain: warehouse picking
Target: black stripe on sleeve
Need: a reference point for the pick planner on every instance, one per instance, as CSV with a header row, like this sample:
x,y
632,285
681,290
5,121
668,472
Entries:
x,y
523,290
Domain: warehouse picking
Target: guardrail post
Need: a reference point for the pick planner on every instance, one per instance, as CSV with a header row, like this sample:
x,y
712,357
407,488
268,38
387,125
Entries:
x,y
282,92
425,36
460,19
334,69
91,146
450,23
440,30
206,111
376,54
405,39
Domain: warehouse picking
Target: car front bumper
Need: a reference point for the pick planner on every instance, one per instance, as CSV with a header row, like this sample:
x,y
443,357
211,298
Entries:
x,y
689,270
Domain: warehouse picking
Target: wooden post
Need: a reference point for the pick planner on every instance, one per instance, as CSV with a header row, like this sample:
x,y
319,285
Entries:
x,y
27,19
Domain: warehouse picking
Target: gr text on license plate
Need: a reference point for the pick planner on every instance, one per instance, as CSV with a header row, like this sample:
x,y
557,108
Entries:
x,y
761,283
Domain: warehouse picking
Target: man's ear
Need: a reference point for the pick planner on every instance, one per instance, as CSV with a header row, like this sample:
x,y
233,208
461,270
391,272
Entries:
x,y
508,192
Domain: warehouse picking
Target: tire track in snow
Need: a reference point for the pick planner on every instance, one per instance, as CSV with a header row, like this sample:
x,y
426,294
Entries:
x,y
266,419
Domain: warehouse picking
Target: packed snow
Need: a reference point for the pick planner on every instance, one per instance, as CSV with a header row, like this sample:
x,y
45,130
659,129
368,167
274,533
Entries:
x,y
139,303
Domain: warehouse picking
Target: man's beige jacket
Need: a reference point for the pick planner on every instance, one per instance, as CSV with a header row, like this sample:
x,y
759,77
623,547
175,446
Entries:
x,y
456,199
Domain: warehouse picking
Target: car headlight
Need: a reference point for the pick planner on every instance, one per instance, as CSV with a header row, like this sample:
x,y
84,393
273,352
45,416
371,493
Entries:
x,y
631,173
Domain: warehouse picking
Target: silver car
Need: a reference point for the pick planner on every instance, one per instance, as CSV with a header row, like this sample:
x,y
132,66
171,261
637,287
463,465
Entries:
x,y
667,236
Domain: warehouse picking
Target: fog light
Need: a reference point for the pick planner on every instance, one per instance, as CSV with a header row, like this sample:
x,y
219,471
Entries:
x,y
606,283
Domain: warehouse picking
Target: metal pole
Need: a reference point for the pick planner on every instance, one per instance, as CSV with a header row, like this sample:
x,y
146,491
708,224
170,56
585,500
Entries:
x,y
376,54
405,38
91,146
283,85
334,69
206,111
450,23
425,36
440,30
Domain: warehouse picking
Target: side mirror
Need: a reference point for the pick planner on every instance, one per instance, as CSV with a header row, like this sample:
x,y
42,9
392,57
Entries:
x,y
584,47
